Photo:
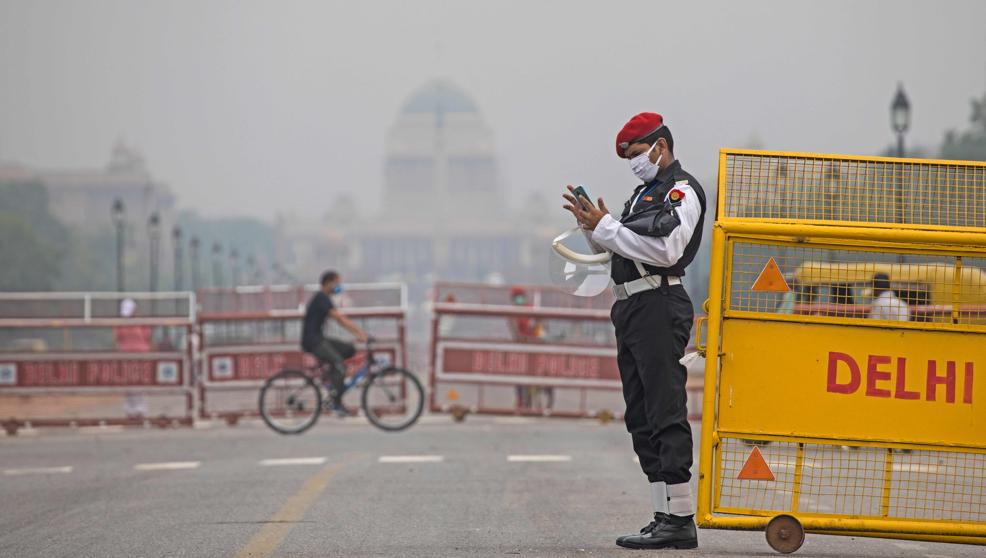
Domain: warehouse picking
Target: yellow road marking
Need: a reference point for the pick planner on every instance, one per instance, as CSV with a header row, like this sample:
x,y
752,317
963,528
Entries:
x,y
270,537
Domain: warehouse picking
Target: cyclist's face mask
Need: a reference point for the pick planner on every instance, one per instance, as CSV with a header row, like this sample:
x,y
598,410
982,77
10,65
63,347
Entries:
x,y
337,289
520,299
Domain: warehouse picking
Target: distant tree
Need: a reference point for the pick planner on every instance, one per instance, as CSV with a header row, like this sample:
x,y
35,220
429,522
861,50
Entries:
x,y
32,242
968,145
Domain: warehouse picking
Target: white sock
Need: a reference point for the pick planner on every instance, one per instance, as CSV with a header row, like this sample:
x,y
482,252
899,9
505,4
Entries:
x,y
659,496
680,500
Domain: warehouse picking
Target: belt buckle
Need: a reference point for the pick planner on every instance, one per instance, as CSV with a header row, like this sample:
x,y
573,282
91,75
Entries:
x,y
620,292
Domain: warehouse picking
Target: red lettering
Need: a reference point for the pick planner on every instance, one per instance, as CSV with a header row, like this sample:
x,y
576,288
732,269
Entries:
x,y
934,380
874,375
901,390
565,366
854,377
50,374
967,386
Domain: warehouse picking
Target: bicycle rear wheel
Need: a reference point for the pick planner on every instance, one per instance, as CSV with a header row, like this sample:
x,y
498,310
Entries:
x,y
393,399
290,402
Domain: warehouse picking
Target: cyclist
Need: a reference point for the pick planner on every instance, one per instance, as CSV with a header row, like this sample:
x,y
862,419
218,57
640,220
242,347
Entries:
x,y
331,352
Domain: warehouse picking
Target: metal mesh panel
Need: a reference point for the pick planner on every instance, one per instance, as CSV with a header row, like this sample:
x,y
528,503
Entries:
x,y
772,495
939,485
840,283
971,300
869,482
785,187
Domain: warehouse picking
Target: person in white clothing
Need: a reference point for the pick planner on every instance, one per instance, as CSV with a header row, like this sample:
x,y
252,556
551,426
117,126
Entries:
x,y
886,305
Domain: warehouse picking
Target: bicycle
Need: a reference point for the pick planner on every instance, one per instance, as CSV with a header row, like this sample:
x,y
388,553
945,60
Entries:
x,y
292,400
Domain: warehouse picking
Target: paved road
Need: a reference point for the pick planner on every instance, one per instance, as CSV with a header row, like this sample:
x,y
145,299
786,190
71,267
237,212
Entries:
x,y
487,487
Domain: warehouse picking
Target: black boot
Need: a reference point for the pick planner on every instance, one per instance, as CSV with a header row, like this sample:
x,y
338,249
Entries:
x,y
658,518
666,531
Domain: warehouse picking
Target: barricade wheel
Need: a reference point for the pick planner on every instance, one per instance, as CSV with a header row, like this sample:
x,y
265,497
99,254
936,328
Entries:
x,y
785,534
459,413
11,426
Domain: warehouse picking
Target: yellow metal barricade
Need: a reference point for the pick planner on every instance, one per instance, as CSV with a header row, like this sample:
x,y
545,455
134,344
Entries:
x,y
821,413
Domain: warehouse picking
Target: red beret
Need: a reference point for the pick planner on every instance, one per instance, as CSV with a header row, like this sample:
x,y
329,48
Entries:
x,y
637,128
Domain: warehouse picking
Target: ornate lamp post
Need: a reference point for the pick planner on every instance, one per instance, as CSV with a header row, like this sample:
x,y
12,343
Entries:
x,y
154,235
900,117
193,244
120,224
177,270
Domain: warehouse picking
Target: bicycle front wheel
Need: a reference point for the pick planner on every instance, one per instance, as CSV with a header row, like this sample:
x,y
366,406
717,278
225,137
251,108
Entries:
x,y
393,399
290,402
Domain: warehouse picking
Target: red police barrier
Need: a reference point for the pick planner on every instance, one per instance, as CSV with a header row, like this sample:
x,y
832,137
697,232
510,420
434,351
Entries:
x,y
526,350
248,334
96,359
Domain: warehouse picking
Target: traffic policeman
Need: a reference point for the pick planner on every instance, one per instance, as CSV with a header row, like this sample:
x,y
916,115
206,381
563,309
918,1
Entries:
x,y
655,238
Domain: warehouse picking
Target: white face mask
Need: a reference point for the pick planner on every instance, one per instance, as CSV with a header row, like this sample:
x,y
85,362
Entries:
x,y
643,168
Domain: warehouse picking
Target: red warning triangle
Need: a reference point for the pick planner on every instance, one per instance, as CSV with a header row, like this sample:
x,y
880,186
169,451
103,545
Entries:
x,y
755,467
771,280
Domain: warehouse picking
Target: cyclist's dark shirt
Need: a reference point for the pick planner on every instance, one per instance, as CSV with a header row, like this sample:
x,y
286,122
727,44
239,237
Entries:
x,y
318,309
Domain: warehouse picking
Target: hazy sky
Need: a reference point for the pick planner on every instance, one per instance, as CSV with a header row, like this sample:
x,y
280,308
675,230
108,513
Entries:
x,y
266,107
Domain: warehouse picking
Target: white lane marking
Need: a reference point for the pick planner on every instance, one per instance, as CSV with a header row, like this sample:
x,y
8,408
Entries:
x,y
538,458
909,546
37,470
411,459
293,461
167,466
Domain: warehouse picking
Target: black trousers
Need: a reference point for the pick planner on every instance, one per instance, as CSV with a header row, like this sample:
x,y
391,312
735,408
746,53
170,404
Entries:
x,y
652,331
333,352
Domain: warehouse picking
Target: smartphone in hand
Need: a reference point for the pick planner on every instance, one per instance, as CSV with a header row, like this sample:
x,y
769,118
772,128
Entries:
x,y
582,197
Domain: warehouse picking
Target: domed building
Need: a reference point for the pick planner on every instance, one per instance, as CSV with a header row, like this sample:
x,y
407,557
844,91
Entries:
x,y
443,212
439,149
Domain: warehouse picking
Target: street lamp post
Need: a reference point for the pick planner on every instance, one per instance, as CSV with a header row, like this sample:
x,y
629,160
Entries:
x,y
154,235
900,117
900,121
119,223
196,271
178,271
217,265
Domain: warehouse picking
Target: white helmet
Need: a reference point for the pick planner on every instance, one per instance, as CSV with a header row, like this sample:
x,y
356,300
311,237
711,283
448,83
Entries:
x,y
575,266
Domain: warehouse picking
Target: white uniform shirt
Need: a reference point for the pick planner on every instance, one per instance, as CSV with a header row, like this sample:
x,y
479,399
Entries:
x,y
888,307
665,251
